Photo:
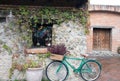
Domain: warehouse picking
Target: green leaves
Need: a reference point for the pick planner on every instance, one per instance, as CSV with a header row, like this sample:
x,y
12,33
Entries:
x,y
51,14
7,48
23,11
47,15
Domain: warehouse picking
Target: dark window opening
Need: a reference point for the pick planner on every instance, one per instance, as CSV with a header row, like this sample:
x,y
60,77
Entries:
x,y
42,35
2,19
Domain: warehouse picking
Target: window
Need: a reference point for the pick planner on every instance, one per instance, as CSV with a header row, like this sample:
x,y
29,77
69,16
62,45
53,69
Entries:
x,y
42,35
2,19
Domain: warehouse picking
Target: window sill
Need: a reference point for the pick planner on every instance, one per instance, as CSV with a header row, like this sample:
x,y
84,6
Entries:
x,y
36,50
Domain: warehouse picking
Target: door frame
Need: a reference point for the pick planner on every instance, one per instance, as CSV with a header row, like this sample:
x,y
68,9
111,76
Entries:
x,y
103,27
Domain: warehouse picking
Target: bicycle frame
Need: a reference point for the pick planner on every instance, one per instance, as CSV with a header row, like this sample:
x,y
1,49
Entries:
x,y
76,70
84,66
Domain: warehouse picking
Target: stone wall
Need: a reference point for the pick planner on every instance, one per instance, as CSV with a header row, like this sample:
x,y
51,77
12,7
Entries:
x,y
10,43
71,33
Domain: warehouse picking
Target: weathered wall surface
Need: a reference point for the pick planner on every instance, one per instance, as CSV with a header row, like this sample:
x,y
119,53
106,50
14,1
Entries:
x,y
71,33
9,44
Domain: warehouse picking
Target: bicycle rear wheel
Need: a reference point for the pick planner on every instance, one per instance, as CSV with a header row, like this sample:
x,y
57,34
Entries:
x,y
90,70
56,71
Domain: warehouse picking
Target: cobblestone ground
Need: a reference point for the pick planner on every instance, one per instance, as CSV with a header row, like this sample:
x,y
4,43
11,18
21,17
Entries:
x,y
110,68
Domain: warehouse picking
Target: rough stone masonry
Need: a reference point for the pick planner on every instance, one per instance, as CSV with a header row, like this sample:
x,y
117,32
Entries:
x,y
70,33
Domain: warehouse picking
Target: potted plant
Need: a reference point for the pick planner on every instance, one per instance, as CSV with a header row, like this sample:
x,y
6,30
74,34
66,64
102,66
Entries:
x,y
118,50
32,66
57,51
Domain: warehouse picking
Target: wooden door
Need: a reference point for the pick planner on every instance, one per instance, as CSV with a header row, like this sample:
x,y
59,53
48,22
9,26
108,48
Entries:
x,y
101,39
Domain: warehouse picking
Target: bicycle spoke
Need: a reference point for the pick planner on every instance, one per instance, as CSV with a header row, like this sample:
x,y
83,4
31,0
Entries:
x,y
56,71
90,71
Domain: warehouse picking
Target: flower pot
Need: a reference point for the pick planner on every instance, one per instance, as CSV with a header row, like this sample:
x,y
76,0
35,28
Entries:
x,y
34,74
56,57
118,50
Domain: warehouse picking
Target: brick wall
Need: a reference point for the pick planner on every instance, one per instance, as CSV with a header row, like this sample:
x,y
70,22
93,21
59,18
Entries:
x,y
105,19
113,8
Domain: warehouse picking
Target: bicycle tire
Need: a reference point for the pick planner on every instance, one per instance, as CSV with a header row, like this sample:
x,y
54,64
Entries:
x,y
53,67
94,67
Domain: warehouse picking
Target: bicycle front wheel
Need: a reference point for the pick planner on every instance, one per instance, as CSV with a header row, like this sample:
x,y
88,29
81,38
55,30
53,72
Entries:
x,y
90,70
56,71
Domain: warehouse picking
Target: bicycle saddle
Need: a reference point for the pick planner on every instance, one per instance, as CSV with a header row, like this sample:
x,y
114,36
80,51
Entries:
x,y
84,55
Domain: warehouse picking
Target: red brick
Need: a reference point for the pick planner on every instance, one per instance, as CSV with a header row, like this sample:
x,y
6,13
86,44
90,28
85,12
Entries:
x,y
105,19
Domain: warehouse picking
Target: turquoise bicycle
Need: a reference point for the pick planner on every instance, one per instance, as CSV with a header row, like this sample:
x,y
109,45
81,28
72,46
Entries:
x,y
88,69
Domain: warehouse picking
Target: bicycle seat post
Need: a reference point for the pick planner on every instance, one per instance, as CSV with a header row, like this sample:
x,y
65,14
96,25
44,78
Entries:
x,y
85,55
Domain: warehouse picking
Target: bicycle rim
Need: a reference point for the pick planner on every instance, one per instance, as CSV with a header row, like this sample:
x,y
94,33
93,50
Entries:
x,y
56,71
90,70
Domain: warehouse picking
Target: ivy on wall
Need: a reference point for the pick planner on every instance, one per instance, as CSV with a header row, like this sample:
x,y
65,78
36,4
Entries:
x,y
26,16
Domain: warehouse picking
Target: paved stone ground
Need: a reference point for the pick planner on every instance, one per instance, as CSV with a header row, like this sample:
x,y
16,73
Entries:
x,y
110,68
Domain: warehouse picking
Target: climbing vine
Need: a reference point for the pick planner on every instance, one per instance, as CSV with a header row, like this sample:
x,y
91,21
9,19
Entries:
x,y
27,17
